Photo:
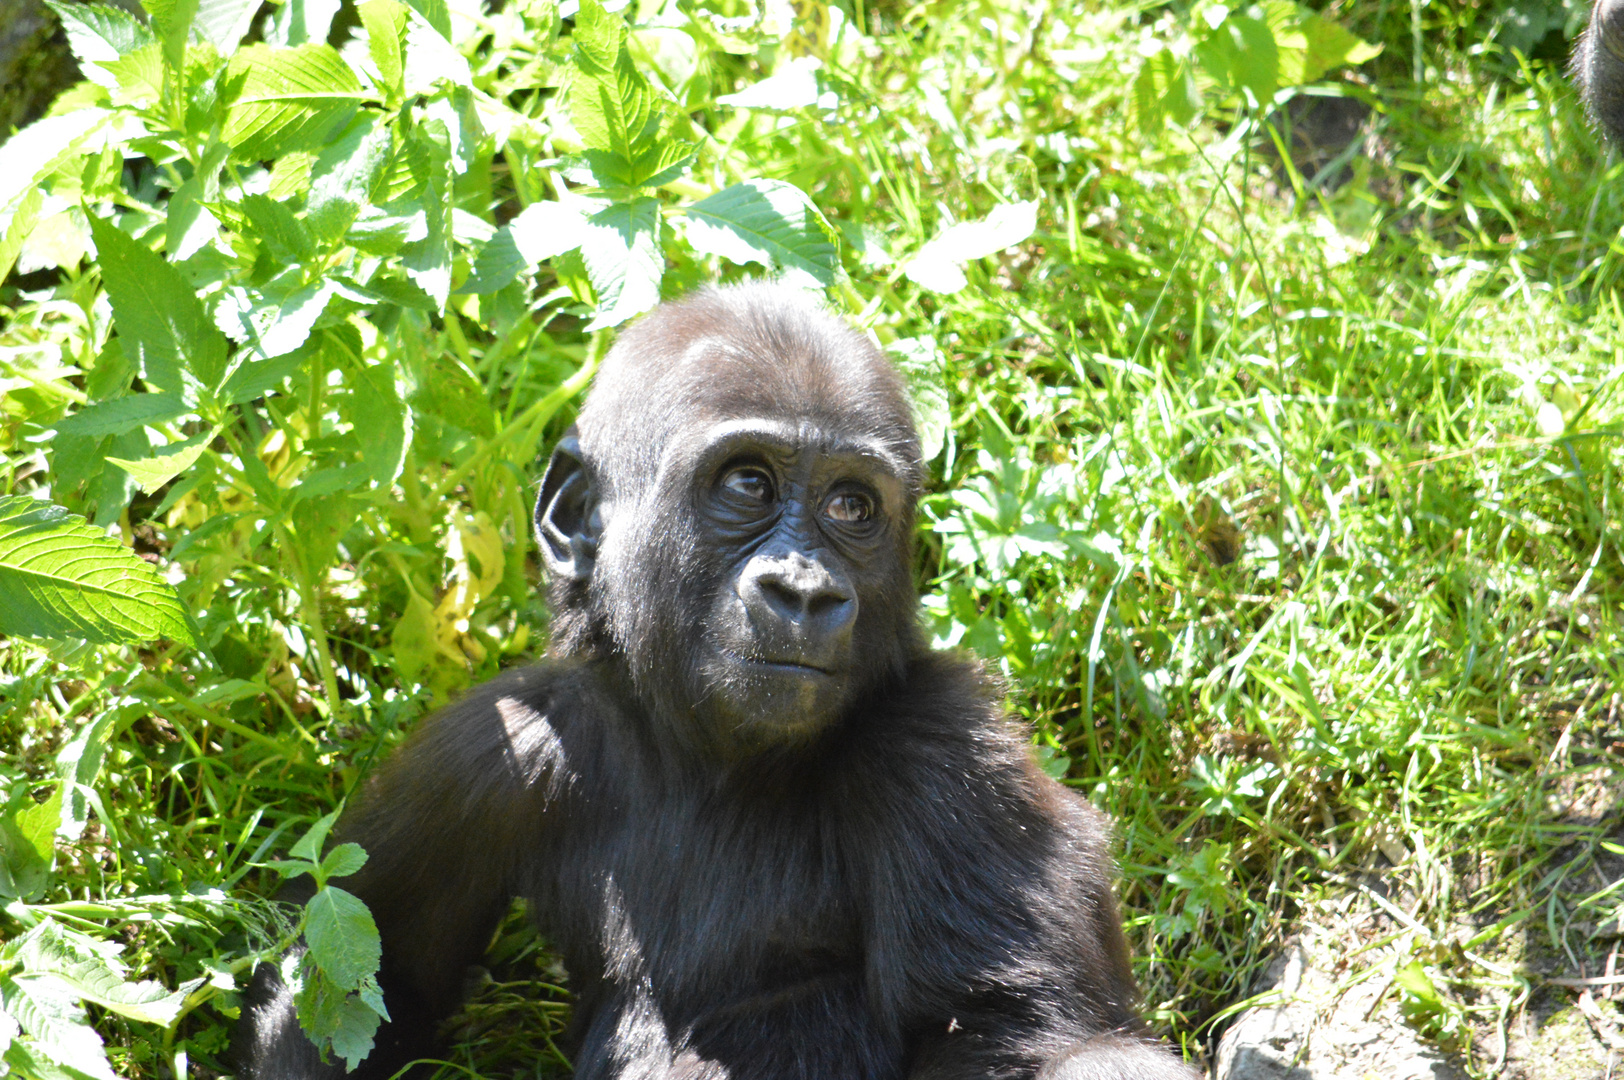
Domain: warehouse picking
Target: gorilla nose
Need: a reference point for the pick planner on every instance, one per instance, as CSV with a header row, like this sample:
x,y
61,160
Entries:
x,y
799,595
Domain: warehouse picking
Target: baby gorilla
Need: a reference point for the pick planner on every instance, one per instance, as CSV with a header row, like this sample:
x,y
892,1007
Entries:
x,y
771,833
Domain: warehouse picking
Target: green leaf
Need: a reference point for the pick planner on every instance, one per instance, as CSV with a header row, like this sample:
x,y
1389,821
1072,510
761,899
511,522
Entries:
x,y
309,845
122,414
173,20
330,1016
169,462
375,409
343,860
42,146
385,23
98,34
223,23
621,248
75,962
921,361
428,261
540,232
283,235
59,577
768,222
288,99
22,222
299,22
276,321
937,265
138,76
28,842
344,176
342,937
448,390
158,316
615,109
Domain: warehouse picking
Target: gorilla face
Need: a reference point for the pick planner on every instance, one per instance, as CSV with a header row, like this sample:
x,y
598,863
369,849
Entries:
x,y
807,520
738,508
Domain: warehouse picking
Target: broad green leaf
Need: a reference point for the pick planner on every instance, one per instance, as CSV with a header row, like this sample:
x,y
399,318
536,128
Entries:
x,y
599,38
374,407
436,13
42,146
74,961
190,224
288,99
921,361
540,232
621,248
344,176
331,1016
173,21
59,577
47,1011
159,317
79,764
275,226
169,462
98,33
224,23
792,85
768,222
275,321
122,414
309,845
428,261
28,842
430,59
342,937
385,23
22,222
299,22
343,860
448,390
938,265
138,76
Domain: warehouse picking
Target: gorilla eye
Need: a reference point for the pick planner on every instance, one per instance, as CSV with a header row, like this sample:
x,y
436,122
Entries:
x,y
849,508
753,484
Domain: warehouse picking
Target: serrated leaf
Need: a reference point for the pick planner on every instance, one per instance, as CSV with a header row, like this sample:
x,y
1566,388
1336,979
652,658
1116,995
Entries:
x,y
60,577
159,317
344,176
22,222
298,22
768,222
273,322
288,99
309,845
173,21
921,361
792,85
342,937
343,860
330,1016
47,1012
621,249
430,59
98,34
937,265
540,232
283,235
138,77
122,414
223,23
169,462
74,962
42,146
428,261
385,23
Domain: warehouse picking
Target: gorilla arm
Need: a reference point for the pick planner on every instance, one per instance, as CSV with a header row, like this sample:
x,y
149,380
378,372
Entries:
x,y
994,938
442,824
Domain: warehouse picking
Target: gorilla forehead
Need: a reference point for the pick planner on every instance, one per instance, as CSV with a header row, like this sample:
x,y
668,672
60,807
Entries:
x,y
732,354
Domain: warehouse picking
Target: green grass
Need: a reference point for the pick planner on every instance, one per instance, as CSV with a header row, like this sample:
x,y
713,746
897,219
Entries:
x,y
1244,491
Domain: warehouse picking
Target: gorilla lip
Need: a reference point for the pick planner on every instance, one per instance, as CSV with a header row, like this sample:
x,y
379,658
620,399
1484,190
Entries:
x,y
789,665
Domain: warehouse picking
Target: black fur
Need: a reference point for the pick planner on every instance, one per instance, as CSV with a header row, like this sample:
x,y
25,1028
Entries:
x,y
771,833
1598,67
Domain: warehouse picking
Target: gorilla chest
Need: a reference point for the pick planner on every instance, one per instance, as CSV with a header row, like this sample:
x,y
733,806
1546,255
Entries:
x,y
688,894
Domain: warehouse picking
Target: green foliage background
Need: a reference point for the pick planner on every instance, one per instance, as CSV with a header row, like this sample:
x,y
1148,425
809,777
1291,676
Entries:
x,y
1281,479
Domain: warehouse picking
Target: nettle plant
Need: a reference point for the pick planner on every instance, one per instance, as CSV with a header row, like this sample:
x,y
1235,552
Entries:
x,y
303,272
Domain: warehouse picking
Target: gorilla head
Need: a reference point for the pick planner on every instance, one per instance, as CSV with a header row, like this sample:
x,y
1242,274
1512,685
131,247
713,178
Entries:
x,y
737,505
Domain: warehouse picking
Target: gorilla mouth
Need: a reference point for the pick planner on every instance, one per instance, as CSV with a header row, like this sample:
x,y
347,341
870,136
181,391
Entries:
x,y
796,666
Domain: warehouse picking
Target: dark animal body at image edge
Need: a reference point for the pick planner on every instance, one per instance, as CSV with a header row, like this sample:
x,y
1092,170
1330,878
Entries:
x,y
770,832
1598,67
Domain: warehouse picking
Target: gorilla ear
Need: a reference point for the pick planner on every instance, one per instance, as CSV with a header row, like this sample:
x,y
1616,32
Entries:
x,y
567,517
